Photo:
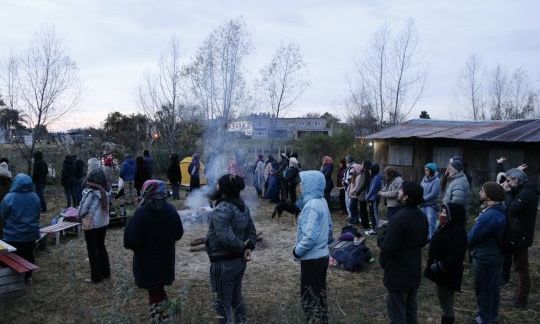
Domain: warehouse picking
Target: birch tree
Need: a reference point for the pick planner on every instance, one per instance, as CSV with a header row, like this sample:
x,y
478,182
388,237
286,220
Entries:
x,y
471,85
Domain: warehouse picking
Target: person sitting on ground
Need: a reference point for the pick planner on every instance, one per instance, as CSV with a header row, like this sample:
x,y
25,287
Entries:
x,y
401,255
484,245
390,190
230,240
445,257
313,234
19,212
152,233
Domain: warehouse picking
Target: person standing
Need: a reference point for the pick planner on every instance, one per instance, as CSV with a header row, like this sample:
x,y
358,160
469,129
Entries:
x,y
141,174
390,190
401,255
258,175
521,208
457,189
194,170
5,185
174,175
94,215
432,187
373,199
230,240
19,211
327,168
280,174
78,166
152,233
293,178
354,187
272,193
312,236
346,182
39,177
149,163
364,186
108,170
341,186
69,181
445,257
484,245
127,174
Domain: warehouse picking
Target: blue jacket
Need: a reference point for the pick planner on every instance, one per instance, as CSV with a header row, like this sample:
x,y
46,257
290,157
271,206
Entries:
x,y
314,222
128,170
432,188
486,234
374,187
19,211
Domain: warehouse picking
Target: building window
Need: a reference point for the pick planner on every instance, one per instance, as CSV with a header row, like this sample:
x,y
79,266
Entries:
x,y
302,124
259,132
317,123
309,123
400,154
291,124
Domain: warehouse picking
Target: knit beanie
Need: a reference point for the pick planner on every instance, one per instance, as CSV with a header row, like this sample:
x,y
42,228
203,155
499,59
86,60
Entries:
x,y
494,191
108,161
432,166
4,170
231,185
457,163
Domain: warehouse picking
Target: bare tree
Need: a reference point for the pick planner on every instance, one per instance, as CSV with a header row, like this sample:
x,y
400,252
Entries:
x,y
283,81
46,86
163,95
217,78
511,97
391,77
471,86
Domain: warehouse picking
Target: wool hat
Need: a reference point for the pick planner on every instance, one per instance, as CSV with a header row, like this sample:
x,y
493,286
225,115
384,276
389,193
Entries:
x,y
108,161
457,163
493,191
432,166
231,185
4,170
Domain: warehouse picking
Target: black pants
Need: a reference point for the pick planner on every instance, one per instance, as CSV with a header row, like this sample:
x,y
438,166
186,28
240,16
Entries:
x,y
342,206
313,289
194,183
402,307
282,189
97,254
40,188
520,258
292,192
26,251
226,280
364,216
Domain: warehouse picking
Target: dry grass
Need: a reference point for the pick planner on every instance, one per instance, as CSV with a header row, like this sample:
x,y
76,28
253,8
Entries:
x,y
271,284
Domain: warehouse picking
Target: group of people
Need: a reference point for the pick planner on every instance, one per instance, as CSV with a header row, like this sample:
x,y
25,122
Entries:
x,y
174,174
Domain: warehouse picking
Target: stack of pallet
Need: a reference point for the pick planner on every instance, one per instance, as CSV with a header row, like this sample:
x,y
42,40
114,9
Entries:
x,y
12,270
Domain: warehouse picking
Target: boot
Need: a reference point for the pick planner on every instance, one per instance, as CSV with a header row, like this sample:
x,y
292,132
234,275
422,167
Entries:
x,y
447,320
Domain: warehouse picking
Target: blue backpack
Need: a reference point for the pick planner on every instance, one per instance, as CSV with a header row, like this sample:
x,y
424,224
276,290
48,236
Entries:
x,y
353,257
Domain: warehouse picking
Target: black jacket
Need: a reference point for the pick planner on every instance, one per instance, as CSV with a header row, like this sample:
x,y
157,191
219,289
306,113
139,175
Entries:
x,y
79,168
401,250
173,172
293,177
230,230
151,233
521,209
40,171
68,173
448,246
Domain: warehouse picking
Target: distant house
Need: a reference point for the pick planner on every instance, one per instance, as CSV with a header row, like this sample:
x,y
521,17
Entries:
x,y
260,127
410,145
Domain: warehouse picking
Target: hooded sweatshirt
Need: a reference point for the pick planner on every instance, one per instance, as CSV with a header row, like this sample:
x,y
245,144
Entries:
x,y
20,211
128,169
314,222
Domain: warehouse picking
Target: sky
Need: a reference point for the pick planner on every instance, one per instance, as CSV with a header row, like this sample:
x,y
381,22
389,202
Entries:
x,y
115,42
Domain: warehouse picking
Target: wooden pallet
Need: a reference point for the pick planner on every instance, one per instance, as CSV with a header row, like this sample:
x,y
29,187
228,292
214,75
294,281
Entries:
x,y
11,284
60,227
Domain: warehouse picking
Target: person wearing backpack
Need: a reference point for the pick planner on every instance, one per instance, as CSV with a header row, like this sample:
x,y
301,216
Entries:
x,y
484,241
521,208
445,257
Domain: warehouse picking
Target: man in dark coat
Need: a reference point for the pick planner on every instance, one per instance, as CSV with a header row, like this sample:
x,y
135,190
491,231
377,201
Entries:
x,y
280,173
521,208
401,255
148,163
79,166
68,181
445,257
39,177
174,176
151,233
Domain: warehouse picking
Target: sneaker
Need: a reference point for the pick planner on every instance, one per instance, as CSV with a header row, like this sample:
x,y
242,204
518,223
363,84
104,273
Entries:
x,y
371,232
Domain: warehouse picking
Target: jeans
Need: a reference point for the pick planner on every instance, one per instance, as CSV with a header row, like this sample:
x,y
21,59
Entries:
x,y
374,213
401,306
97,254
175,190
487,286
313,289
446,300
520,257
348,202
40,189
432,217
26,251
353,206
71,195
226,281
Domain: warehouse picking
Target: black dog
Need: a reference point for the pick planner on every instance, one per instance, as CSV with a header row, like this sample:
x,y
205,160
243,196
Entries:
x,y
288,207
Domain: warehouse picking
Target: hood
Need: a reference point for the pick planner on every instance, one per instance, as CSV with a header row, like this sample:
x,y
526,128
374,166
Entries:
x,y
313,184
22,183
93,163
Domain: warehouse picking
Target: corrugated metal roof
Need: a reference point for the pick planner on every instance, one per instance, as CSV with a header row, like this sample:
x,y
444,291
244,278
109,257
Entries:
x,y
525,130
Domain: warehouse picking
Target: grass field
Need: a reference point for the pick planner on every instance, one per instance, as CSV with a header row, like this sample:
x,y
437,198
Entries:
x,y
271,283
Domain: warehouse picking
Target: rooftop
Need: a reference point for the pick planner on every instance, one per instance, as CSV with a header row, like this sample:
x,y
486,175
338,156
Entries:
x,y
512,131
